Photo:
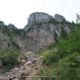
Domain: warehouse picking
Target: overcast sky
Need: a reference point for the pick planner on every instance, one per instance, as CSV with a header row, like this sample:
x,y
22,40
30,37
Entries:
x,y
17,11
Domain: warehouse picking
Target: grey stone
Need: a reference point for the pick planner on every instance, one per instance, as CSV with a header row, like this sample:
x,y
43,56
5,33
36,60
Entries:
x,y
59,18
38,17
38,33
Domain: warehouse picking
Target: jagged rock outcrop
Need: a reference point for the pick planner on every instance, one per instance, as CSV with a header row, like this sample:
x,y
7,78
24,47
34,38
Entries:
x,y
5,40
42,30
11,37
38,17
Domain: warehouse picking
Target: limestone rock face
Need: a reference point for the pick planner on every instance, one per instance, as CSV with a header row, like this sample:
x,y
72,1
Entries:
x,y
43,30
38,17
41,36
6,37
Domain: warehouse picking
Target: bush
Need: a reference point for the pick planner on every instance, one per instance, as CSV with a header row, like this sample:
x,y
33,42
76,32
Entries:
x,y
64,58
9,58
50,57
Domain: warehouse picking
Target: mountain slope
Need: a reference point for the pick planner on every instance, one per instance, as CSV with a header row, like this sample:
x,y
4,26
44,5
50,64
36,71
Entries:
x,y
62,60
26,70
42,30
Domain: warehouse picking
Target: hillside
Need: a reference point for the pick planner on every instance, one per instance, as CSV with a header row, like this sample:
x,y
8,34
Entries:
x,y
41,30
62,60
52,41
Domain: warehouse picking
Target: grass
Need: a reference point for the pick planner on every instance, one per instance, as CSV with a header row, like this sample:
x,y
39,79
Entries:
x,y
63,58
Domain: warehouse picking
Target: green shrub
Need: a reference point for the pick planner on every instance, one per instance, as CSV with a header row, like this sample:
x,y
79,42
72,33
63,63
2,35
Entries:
x,y
50,57
9,58
63,59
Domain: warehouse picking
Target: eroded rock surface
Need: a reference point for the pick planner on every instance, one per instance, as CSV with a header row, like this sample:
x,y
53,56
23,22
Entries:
x,y
42,34
38,17
41,30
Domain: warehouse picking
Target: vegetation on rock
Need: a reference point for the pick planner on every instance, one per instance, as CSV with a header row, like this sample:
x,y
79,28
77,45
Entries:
x,y
63,58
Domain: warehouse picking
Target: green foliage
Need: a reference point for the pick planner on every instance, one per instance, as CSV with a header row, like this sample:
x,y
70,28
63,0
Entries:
x,y
69,66
47,74
50,56
71,43
63,59
54,21
9,59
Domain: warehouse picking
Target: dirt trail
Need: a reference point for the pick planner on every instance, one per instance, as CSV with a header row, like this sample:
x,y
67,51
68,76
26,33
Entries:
x,y
27,70
34,70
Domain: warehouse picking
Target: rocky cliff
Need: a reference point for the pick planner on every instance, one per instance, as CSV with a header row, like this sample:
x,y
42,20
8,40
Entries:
x,y
42,30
